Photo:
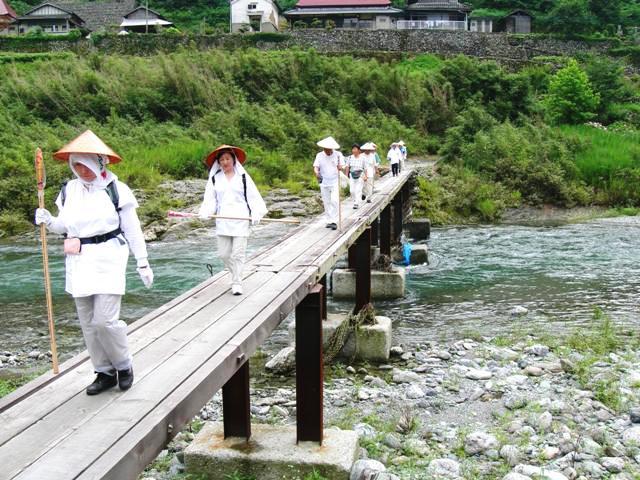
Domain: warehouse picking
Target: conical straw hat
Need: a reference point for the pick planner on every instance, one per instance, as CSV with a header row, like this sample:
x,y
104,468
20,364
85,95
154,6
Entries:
x,y
240,154
328,143
87,142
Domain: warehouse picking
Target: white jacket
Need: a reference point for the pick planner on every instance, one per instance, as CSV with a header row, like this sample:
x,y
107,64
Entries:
x,y
227,198
89,211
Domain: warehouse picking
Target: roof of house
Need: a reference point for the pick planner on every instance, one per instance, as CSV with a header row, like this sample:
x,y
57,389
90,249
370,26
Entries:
x,y
342,3
5,9
64,14
100,14
439,5
151,12
342,11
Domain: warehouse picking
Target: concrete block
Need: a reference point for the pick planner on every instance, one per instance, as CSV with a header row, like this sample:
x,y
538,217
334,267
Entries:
x,y
418,228
329,326
384,285
419,254
270,454
374,341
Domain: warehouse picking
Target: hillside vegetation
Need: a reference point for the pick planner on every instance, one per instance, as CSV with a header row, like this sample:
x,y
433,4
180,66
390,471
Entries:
x,y
495,129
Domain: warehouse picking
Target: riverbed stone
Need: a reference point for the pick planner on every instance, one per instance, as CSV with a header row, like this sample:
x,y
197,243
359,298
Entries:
x,y
540,473
366,469
631,436
403,376
283,362
272,453
479,442
444,468
384,285
612,464
515,476
477,374
533,371
511,454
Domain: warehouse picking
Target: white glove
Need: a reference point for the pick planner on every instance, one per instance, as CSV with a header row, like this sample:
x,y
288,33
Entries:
x,y
43,216
255,221
145,272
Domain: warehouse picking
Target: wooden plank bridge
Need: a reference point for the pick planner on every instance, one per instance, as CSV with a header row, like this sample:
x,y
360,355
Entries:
x,y
189,348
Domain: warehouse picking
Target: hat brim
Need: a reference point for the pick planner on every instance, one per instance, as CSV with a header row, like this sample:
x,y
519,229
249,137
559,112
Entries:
x,y
240,154
87,142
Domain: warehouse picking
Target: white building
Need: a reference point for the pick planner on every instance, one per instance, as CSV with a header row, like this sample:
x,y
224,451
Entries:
x,y
255,16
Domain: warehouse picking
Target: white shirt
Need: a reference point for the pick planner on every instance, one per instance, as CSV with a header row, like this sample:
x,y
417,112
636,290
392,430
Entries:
x,y
394,155
370,163
227,198
99,268
328,166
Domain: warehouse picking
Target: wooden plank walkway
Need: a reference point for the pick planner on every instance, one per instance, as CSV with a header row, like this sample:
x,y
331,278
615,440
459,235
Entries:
x,y
184,352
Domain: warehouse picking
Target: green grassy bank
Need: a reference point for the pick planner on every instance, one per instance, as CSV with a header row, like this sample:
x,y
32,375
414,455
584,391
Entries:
x,y
165,112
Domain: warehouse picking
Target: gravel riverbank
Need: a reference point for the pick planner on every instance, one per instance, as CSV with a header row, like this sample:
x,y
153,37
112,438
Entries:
x,y
473,409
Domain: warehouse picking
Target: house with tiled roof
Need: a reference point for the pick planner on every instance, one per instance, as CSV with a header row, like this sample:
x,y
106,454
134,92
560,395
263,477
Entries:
x,y
49,18
7,15
360,14
143,20
100,15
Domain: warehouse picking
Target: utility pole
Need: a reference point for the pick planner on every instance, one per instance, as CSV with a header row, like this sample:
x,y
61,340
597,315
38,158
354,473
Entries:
x,y
146,17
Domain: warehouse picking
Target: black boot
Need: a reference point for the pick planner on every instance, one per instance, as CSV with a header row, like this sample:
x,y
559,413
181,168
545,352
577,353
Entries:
x,y
103,382
125,378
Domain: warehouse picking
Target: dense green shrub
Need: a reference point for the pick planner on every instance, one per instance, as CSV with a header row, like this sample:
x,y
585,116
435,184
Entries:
x,y
571,98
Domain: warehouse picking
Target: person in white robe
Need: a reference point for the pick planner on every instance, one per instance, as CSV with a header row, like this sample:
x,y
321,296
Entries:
x,y
327,166
370,168
231,192
97,214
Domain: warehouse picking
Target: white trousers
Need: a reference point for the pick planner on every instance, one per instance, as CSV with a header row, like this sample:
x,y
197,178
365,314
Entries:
x,y
232,251
368,185
104,333
355,187
330,200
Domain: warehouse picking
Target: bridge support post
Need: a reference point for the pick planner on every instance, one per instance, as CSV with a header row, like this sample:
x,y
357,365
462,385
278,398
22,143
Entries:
x,y
385,231
397,216
323,282
236,412
362,251
374,232
309,366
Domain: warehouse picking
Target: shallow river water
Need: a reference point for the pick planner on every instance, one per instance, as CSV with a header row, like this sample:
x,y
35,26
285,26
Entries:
x,y
475,277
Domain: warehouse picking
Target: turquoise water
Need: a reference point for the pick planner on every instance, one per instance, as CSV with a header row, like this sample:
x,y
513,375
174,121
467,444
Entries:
x,y
475,277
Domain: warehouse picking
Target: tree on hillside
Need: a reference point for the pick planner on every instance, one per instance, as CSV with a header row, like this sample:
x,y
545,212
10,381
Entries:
x,y
570,17
571,98
606,11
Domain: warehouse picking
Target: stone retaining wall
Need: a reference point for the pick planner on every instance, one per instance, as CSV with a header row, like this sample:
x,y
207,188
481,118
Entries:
x,y
503,47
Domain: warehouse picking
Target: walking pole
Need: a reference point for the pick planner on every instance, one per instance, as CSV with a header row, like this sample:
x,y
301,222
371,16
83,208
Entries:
x,y
42,180
174,214
339,199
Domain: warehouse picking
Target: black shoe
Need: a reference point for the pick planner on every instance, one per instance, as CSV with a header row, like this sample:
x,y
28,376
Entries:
x,y
363,197
103,382
125,378
334,226
328,225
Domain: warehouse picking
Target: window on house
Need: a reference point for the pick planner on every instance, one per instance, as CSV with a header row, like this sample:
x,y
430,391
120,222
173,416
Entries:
x,y
252,6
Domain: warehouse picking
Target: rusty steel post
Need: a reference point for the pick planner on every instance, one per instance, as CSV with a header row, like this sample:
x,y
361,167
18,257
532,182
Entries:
x,y
374,232
309,366
323,282
236,404
351,256
363,269
385,231
397,217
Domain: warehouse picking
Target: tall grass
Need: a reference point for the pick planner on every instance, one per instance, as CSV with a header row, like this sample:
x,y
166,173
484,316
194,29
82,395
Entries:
x,y
609,161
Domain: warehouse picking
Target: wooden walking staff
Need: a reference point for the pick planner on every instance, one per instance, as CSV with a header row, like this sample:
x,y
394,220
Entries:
x,y
41,178
175,214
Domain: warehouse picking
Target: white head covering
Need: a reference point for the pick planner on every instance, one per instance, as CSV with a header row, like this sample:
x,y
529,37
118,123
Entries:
x,y
328,143
97,164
